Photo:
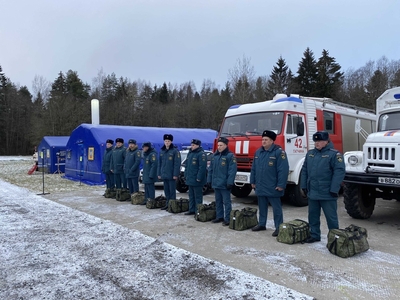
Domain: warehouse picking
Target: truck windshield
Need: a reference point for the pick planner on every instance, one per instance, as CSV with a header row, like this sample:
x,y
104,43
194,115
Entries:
x,y
252,124
389,121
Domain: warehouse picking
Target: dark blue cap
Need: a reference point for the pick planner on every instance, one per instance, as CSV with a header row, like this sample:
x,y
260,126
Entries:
x,y
320,136
196,142
223,140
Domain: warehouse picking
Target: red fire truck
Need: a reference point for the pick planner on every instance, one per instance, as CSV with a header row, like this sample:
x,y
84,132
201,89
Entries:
x,y
294,119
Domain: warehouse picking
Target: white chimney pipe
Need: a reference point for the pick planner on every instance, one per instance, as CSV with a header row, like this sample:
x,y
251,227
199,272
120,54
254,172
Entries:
x,y
95,112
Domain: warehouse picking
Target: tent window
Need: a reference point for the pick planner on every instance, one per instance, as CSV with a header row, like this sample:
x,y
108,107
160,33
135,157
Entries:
x,y
91,153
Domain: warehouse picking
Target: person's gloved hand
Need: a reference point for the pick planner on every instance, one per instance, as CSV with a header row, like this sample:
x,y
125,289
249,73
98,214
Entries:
x,y
334,194
229,186
303,193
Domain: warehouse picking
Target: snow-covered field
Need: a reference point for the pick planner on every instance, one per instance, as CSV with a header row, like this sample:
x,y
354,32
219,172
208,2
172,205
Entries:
x,y
50,251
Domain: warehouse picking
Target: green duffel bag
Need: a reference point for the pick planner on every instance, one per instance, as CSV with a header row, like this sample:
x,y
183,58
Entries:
x,y
158,202
118,194
124,195
110,193
137,198
347,242
296,231
243,219
178,206
206,212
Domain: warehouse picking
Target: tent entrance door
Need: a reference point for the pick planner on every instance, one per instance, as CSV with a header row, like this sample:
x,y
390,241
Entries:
x,y
79,170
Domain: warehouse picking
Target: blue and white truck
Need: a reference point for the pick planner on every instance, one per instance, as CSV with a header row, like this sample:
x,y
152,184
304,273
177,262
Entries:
x,y
375,172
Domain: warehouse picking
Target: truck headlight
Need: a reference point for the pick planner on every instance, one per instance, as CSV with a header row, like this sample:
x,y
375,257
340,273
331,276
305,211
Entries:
x,y
353,160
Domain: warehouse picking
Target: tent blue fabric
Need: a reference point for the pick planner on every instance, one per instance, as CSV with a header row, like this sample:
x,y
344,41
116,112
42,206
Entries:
x,y
87,143
48,149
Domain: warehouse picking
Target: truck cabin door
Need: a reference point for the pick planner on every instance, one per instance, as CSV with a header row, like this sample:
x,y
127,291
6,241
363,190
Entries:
x,y
295,138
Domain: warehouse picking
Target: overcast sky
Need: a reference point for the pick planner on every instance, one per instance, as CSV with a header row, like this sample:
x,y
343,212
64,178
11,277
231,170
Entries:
x,y
178,41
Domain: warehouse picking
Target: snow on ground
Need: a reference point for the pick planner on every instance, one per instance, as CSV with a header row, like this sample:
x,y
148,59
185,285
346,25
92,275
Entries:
x,y
49,251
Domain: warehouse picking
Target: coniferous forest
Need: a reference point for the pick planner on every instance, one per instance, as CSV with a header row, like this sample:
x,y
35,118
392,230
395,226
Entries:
x,y
58,107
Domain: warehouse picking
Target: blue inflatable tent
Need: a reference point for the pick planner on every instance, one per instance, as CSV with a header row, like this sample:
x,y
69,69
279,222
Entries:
x,y
86,145
51,153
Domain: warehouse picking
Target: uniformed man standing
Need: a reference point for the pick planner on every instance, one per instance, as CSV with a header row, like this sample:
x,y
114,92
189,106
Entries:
x,y
168,169
132,165
195,175
221,176
150,163
321,177
268,177
117,164
105,167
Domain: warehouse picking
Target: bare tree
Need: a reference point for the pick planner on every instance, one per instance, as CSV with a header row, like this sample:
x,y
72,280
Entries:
x,y
97,84
242,80
42,87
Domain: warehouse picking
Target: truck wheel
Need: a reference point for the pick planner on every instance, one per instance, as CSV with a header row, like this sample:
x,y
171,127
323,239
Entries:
x,y
359,201
181,187
241,191
293,195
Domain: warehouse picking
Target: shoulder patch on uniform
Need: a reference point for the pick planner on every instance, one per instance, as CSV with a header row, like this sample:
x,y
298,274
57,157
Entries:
x,y
283,154
339,157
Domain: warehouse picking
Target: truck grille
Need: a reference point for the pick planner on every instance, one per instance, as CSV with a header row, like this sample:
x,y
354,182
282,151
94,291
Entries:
x,y
383,156
243,163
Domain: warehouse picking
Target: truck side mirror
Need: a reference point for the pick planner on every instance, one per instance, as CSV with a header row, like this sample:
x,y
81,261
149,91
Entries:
x,y
300,128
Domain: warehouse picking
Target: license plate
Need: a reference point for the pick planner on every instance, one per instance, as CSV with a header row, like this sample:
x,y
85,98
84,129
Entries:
x,y
241,178
389,180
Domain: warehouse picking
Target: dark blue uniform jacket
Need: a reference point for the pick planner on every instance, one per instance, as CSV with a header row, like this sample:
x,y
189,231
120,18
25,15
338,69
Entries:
x,y
196,165
105,167
169,163
323,172
222,170
150,163
270,169
132,162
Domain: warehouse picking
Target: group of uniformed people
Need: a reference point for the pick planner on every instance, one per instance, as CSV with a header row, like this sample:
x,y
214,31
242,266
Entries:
x,y
321,176
121,165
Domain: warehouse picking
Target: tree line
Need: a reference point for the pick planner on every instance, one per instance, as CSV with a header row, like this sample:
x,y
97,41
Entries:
x,y
57,108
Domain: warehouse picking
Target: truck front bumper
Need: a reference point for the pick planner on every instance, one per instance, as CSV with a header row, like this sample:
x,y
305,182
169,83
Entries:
x,y
374,179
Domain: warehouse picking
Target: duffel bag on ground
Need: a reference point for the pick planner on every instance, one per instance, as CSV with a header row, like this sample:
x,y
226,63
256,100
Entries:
x,y
137,198
206,212
123,195
110,193
292,232
158,202
243,219
347,242
178,206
